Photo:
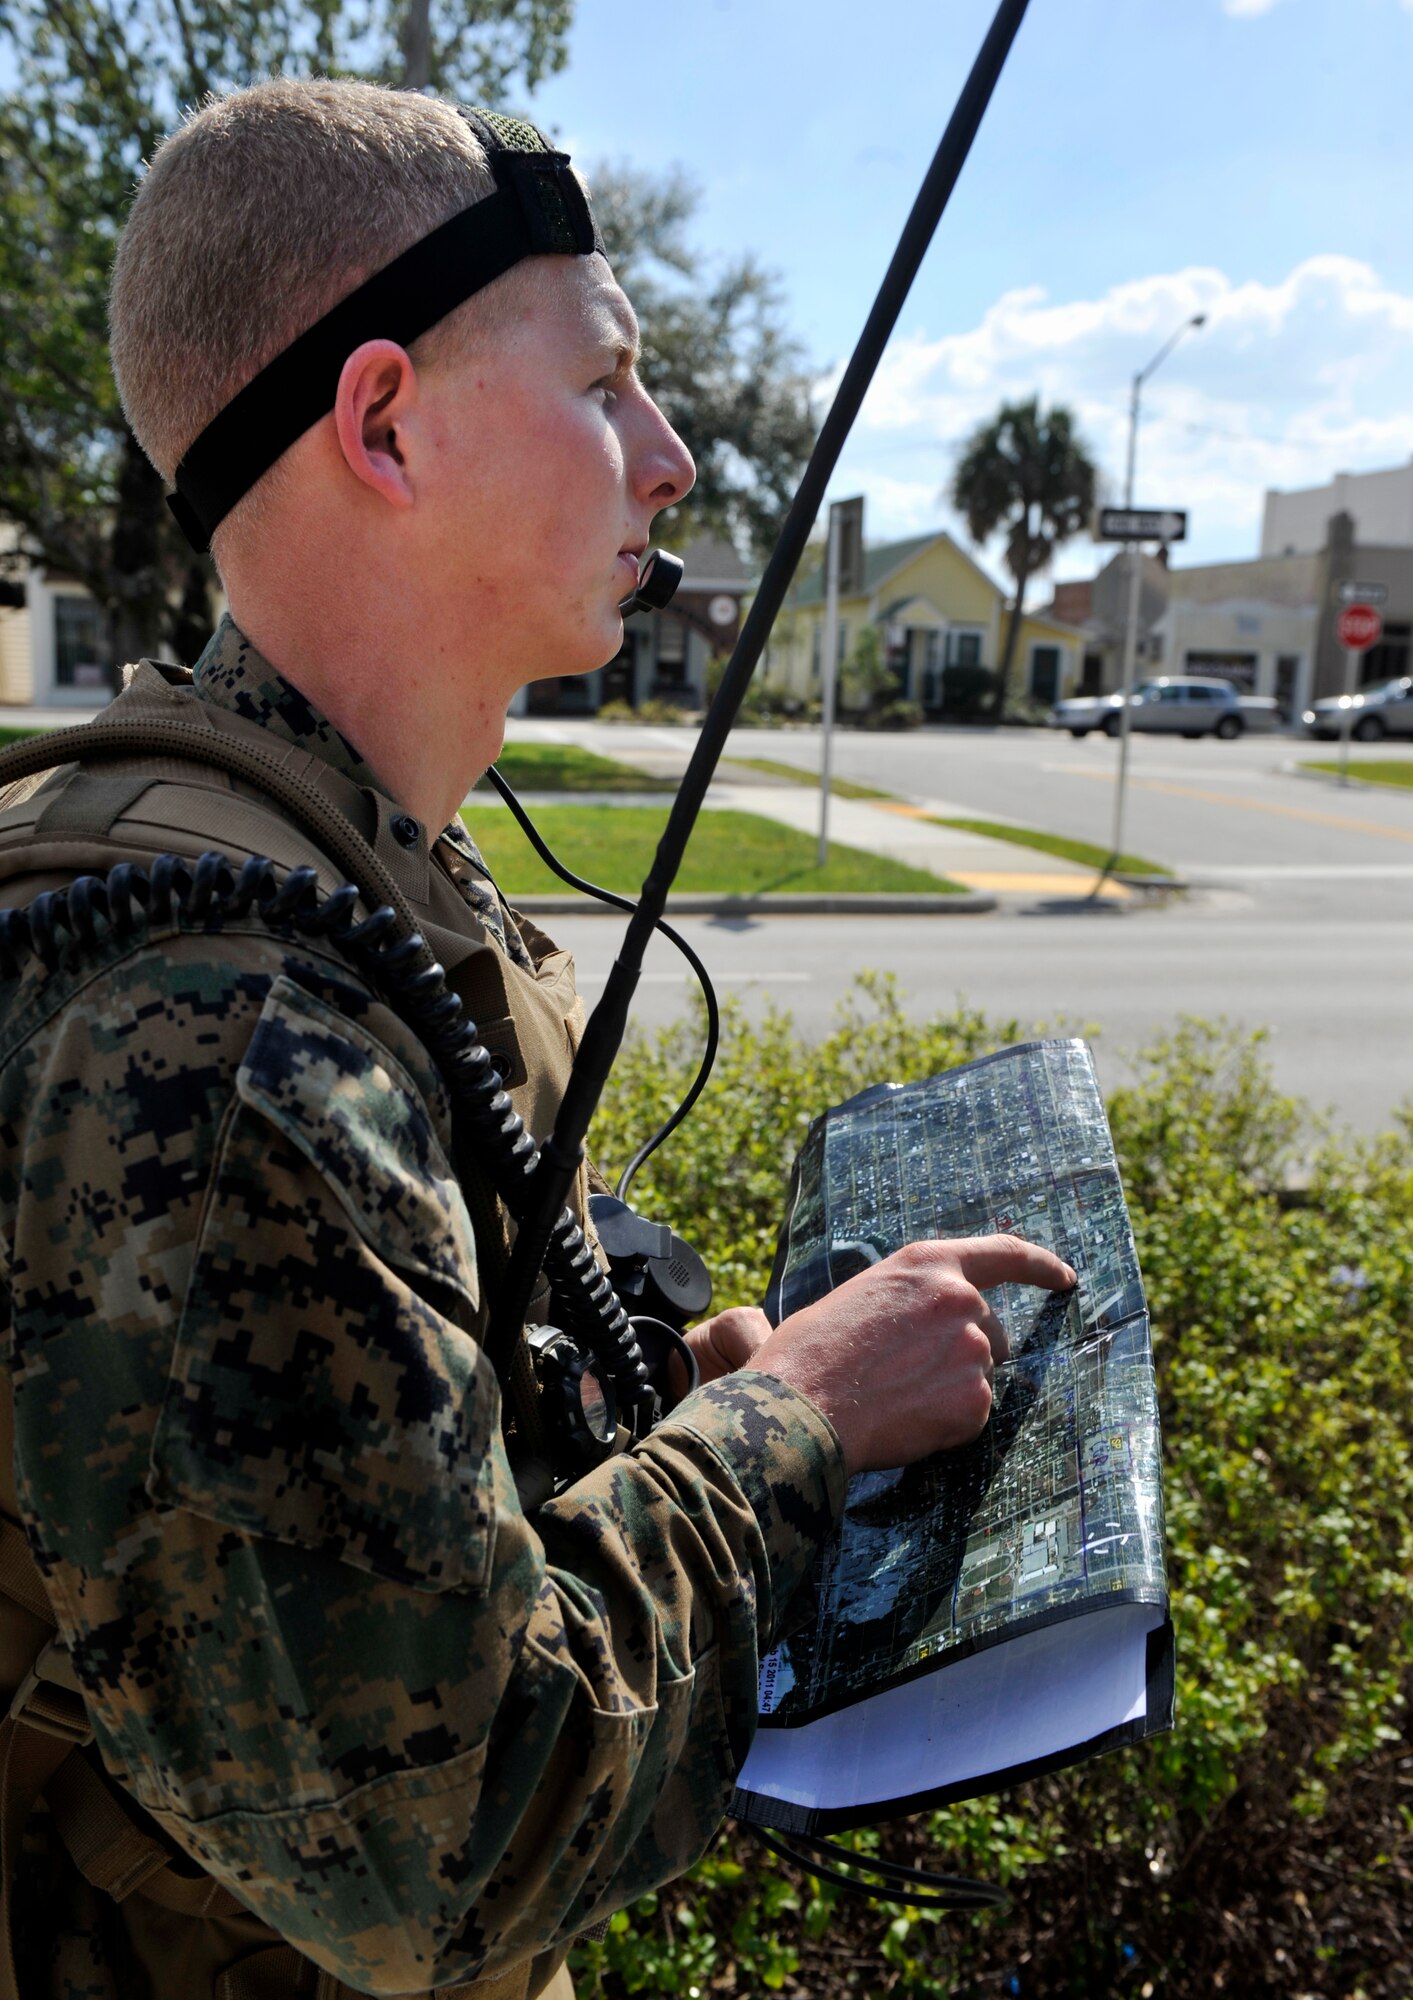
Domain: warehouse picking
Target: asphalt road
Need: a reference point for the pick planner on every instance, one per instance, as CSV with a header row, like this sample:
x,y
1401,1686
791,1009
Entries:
x,y
1299,925
1217,809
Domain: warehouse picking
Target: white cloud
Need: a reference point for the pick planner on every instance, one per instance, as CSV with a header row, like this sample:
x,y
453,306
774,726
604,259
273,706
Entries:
x,y
1241,9
1286,384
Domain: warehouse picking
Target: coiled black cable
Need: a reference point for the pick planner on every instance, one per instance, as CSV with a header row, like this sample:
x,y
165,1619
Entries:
x,y
713,1010
173,893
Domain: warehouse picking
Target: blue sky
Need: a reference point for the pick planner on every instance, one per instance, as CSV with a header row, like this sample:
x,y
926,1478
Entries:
x,y
1142,160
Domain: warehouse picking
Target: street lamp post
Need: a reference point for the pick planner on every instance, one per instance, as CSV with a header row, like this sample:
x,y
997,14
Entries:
x,y
1135,575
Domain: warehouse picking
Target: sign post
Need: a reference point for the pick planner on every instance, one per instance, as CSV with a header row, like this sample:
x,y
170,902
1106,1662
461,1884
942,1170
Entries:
x,y
1357,628
843,575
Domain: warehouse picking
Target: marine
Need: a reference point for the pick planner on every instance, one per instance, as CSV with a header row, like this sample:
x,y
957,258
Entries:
x,y
303,1695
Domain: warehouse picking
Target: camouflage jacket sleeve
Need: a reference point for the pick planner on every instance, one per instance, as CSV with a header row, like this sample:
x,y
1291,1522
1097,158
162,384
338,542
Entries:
x,y
258,1454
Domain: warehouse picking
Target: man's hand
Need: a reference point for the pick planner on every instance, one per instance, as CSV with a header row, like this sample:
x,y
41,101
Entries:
x,y
729,1341
900,1358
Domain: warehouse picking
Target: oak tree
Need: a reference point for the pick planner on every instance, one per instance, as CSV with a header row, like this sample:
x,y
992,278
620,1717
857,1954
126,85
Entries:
x,y
717,356
93,86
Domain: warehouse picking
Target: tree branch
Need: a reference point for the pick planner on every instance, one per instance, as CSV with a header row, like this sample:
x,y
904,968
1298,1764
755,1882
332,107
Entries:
x,y
197,74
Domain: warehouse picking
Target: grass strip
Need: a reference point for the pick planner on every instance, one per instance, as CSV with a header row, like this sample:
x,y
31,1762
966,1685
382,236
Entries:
x,y
843,788
19,735
731,854
1079,851
1399,774
563,767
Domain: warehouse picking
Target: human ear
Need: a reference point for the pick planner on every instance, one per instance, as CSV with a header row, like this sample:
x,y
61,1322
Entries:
x,y
377,393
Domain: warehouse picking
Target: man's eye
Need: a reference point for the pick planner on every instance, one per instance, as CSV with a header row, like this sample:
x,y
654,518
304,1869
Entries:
x,y
608,391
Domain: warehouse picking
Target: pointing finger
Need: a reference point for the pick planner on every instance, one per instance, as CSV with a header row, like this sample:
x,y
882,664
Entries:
x,y
1009,1260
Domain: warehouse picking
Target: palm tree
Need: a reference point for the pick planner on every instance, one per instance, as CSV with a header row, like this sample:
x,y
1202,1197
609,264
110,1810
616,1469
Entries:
x,y
1028,473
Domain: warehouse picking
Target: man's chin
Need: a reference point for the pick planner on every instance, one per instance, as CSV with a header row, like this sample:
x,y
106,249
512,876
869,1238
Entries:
x,y
582,660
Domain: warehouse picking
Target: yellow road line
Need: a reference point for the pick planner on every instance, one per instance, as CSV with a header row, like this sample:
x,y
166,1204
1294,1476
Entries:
x,y
1340,820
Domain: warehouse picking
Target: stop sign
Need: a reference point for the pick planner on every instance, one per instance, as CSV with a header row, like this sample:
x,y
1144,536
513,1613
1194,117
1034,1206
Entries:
x,y
1359,627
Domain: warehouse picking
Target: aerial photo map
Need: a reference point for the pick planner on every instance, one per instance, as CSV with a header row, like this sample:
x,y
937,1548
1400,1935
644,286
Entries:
x,y
1057,1508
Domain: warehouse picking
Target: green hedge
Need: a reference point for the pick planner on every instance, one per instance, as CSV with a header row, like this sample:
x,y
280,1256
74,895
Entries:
x,y
1267,1845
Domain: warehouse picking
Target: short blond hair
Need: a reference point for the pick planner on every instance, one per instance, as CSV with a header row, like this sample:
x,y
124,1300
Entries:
x,y
256,216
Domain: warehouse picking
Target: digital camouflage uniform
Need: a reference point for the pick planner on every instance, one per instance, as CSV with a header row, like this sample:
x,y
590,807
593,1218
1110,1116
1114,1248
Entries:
x,y
257,1453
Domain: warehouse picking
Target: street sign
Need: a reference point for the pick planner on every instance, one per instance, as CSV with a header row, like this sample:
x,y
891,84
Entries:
x,y
1358,627
850,516
1351,592
1141,524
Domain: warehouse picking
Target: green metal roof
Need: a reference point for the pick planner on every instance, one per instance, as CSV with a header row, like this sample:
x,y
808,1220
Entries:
x,y
879,561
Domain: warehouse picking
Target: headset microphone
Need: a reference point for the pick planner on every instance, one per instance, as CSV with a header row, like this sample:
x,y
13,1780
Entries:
x,y
657,582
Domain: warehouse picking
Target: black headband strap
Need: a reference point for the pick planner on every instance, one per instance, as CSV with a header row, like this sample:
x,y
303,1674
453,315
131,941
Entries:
x,y
539,208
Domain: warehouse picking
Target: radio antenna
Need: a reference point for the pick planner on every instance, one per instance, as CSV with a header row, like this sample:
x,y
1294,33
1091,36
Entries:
x,y
561,1154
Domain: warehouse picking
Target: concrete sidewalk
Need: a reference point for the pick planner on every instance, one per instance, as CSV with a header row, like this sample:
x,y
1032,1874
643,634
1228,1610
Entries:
x,y
901,831
897,829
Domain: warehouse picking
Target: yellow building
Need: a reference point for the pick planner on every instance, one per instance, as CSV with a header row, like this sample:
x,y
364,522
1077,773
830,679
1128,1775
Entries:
x,y
935,607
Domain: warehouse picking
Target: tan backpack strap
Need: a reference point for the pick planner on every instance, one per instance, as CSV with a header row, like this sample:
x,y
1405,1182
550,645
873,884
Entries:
x,y
88,805
281,1971
310,809
50,1700
105,1845
19,1579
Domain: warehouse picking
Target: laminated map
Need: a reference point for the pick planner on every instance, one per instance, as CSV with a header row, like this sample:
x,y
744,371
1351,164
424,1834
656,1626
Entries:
x,y
1002,1609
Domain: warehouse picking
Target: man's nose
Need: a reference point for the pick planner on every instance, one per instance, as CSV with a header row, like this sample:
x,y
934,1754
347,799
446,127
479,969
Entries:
x,y
666,473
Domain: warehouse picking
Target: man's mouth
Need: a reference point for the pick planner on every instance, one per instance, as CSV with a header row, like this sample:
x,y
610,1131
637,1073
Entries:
x,y
630,561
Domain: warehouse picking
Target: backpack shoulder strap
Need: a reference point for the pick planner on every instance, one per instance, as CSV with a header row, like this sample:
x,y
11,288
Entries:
x,y
170,739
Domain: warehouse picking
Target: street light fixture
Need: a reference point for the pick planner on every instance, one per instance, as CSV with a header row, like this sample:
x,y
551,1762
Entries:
x,y
1135,573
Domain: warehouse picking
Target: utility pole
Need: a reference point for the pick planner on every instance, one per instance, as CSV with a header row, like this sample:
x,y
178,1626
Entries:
x,y
1135,580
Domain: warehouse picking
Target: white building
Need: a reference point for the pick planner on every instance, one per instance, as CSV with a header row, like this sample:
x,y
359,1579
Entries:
x,y
1381,504
1263,647
55,651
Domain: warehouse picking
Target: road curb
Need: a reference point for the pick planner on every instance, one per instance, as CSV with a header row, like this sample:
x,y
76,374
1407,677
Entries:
x,y
881,904
1333,777
1295,770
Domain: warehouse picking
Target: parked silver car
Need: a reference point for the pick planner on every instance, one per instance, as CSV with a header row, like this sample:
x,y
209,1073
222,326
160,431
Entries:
x,y
1180,704
1386,709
